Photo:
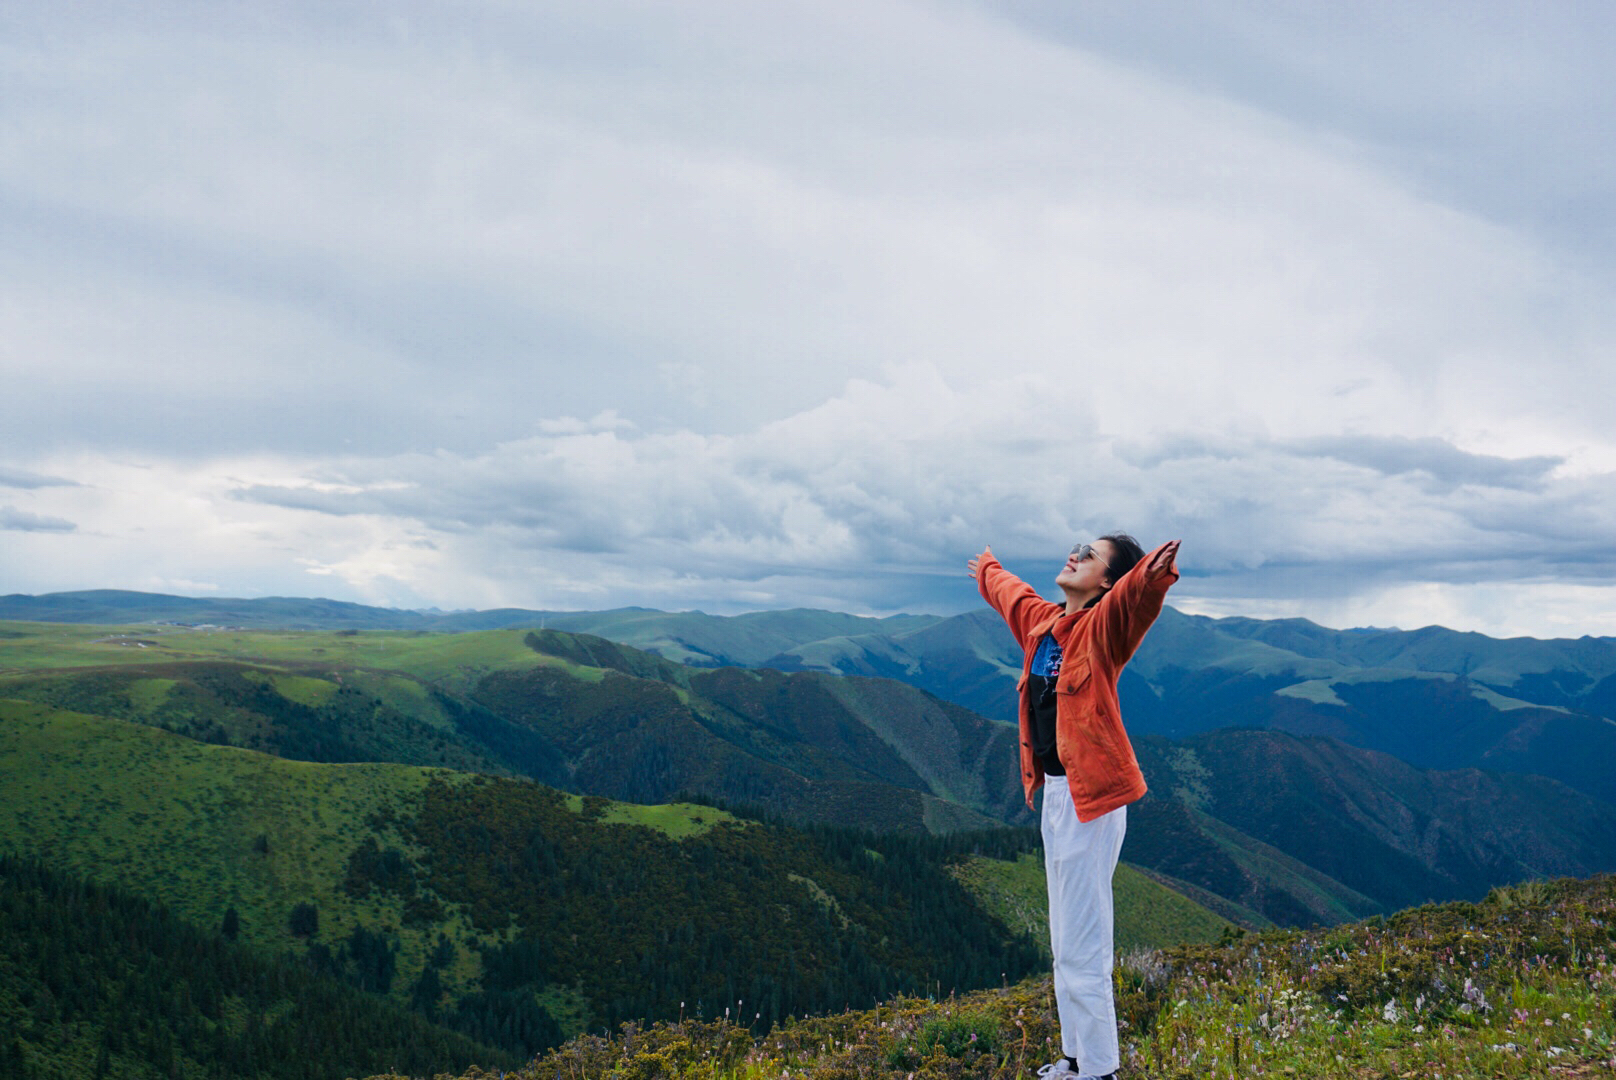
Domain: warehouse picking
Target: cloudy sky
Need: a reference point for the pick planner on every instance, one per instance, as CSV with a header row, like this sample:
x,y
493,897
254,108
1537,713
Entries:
x,y
730,305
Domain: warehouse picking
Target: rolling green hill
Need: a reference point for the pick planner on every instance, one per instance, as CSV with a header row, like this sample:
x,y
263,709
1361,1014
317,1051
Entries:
x,y
364,800
476,898
1435,697
602,718
564,709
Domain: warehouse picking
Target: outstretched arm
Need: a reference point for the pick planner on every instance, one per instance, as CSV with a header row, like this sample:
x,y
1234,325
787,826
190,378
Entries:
x,y
1130,607
1017,603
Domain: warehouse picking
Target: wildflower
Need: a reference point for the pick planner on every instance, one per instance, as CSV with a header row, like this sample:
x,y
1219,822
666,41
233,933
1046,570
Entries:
x,y
1390,1013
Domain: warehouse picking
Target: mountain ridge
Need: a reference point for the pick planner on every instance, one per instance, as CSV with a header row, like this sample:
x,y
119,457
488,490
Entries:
x,y
805,745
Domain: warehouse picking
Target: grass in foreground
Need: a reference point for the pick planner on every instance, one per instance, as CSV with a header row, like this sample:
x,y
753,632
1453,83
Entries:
x,y
1520,985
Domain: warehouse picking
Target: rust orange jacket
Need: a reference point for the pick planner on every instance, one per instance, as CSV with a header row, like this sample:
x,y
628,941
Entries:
x,y
1095,644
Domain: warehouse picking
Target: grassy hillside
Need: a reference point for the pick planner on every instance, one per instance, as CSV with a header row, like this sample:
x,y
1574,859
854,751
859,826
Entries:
x,y
1294,831
474,897
1517,986
450,660
565,709
535,704
204,829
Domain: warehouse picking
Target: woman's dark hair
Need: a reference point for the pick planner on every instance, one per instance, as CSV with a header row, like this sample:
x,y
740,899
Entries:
x,y
1125,555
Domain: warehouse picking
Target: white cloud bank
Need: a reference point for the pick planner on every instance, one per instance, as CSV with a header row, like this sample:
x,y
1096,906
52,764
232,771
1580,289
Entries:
x,y
871,502
733,307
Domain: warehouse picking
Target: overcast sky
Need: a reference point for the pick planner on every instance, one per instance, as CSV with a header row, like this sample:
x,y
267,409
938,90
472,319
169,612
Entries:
x,y
731,305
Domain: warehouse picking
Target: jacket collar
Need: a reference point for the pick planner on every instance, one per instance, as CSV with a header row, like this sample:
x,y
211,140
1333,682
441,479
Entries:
x,y
1052,621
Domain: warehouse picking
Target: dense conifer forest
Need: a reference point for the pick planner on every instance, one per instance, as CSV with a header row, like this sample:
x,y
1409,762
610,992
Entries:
x,y
97,983
756,917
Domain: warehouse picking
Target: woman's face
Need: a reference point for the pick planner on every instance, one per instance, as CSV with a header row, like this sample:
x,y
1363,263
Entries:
x,y
1091,572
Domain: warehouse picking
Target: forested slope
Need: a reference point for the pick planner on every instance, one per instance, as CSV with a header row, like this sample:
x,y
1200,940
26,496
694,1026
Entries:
x,y
97,982
497,906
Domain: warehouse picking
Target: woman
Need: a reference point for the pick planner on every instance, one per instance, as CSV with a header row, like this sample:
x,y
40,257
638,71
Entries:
x,y
1074,746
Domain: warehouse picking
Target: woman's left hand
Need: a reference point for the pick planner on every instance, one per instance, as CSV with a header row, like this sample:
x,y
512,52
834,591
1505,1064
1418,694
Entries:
x,y
1165,560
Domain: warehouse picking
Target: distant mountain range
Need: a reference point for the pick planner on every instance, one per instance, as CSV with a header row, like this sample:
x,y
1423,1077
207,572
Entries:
x,y
1435,698
1276,826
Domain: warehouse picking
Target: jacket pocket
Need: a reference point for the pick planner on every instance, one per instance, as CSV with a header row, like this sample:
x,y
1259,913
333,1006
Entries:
x,y
1074,678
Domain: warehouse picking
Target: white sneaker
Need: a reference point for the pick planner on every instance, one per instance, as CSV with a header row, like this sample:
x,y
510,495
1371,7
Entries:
x,y
1062,1070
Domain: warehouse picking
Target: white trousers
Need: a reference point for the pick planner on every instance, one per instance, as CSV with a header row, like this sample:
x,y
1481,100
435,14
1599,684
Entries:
x,y
1079,860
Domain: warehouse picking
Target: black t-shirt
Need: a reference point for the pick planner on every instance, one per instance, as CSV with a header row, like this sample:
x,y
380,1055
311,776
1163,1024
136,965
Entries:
x,y
1041,697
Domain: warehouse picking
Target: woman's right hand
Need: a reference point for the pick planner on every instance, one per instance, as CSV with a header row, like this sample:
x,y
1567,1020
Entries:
x,y
975,562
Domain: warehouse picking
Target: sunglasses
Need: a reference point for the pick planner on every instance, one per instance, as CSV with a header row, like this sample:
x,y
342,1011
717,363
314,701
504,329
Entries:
x,y
1084,552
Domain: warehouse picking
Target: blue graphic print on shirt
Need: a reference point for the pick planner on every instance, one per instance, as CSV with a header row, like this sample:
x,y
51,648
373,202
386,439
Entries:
x,y
1046,661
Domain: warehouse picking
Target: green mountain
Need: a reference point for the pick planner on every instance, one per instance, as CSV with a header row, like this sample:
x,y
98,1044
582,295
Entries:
x,y
566,709
688,637
497,906
1379,826
605,719
1149,908
1434,697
